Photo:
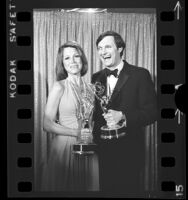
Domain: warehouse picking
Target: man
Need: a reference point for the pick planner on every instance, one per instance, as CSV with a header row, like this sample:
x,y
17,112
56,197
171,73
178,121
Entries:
x,y
133,102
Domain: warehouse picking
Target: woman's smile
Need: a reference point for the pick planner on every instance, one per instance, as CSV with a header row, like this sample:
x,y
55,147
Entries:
x,y
72,61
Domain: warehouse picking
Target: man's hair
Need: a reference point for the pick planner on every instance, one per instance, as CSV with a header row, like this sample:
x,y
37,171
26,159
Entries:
x,y
117,38
61,72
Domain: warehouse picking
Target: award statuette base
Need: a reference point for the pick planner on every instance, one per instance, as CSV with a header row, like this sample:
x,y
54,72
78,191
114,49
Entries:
x,y
111,133
84,148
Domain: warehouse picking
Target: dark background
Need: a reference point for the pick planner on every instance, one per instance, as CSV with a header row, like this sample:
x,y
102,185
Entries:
x,y
175,52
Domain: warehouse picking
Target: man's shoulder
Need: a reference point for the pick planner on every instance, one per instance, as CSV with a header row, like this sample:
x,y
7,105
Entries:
x,y
138,70
97,74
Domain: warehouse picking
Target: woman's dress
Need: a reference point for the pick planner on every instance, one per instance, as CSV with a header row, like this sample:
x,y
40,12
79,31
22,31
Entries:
x,y
66,171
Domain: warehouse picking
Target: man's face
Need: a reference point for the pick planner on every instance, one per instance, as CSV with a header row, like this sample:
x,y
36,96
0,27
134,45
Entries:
x,y
108,52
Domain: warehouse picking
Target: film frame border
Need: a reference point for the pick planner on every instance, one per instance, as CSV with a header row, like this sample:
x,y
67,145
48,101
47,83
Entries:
x,y
20,74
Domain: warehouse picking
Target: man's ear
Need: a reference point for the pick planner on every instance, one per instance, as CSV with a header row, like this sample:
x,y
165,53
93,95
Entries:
x,y
120,49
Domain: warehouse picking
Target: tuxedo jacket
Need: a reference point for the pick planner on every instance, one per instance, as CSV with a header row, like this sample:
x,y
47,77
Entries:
x,y
134,95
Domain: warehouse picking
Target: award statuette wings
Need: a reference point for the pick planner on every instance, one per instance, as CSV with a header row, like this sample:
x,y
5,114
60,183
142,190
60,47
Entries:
x,y
85,113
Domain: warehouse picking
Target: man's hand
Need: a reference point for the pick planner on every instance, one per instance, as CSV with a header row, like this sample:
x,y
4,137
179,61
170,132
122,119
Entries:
x,y
113,117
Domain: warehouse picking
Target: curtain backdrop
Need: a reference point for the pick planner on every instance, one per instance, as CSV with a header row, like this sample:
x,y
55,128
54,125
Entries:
x,y
53,28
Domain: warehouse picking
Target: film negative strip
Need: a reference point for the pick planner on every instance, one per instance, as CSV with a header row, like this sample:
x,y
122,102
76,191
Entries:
x,y
39,164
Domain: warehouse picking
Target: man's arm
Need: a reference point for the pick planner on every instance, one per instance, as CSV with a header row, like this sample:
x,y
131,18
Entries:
x,y
146,113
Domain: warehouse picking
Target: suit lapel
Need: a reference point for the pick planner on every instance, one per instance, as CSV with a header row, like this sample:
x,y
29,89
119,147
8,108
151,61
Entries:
x,y
123,77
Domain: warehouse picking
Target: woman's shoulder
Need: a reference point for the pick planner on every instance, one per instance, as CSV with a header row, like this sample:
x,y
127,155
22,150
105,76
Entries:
x,y
59,85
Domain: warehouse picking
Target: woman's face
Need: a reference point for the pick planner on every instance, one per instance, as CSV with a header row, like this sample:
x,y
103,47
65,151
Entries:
x,y
72,61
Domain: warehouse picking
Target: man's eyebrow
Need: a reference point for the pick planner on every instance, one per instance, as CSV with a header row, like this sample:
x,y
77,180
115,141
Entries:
x,y
107,45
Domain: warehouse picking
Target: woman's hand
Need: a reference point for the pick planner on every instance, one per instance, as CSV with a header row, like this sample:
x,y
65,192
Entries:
x,y
86,135
75,132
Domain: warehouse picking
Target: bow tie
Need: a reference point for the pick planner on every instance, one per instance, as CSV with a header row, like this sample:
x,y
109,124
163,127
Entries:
x,y
112,72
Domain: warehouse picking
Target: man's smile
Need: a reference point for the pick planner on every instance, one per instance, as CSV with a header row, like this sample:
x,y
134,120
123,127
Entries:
x,y
106,57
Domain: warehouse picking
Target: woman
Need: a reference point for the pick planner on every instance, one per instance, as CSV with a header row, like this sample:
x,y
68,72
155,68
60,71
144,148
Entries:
x,y
66,171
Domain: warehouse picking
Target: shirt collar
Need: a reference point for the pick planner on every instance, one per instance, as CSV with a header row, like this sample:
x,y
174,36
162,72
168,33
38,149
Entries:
x,y
119,67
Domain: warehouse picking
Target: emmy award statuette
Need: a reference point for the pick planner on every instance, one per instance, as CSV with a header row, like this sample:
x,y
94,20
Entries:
x,y
85,113
108,132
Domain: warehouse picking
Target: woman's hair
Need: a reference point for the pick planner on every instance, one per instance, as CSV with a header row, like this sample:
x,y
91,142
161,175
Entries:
x,y
61,72
117,38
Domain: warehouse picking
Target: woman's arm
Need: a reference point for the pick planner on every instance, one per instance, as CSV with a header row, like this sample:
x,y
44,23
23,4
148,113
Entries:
x,y
51,110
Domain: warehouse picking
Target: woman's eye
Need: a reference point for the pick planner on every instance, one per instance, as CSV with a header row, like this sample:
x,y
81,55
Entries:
x,y
77,56
66,58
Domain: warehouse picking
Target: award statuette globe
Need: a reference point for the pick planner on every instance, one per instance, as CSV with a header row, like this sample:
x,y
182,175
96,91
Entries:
x,y
114,131
84,146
